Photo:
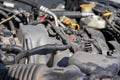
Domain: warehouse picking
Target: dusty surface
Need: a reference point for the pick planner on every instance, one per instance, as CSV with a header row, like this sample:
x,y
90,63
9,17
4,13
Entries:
x,y
116,1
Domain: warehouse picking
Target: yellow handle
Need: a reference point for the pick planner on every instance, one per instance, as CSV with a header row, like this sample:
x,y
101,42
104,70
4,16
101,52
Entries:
x,y
75,27
68,21
107,14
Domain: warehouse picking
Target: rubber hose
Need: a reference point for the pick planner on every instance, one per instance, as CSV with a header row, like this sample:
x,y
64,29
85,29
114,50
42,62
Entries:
x,y
71,14
37,50
61,34
12,27
13,48
30,3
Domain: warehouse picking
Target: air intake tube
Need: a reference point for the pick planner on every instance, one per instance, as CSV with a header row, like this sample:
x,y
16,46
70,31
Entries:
x,y
41,72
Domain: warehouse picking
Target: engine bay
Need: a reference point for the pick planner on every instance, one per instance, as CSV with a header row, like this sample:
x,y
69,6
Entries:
x,y
77,40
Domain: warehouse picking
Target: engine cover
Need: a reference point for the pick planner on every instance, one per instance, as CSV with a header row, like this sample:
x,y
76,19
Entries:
x,y
88,63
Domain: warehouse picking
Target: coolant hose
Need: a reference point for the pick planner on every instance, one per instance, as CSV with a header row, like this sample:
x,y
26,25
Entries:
x,y
38,50
12,27
13,48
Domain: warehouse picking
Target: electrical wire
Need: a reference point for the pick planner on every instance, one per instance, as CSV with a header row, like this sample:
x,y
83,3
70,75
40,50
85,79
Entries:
x,y
9,18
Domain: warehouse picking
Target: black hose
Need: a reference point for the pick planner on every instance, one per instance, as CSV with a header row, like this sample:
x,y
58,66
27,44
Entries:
x,y
13,48
71,14
38,50
30,3
12,27
35,22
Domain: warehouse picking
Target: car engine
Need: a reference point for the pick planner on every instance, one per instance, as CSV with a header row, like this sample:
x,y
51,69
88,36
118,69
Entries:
x,y
77,40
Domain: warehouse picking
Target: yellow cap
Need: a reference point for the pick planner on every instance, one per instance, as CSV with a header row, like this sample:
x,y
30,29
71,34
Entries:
x,y
87,6
107,14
